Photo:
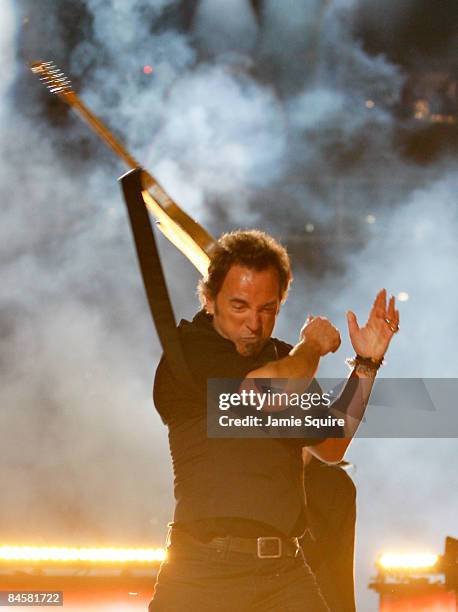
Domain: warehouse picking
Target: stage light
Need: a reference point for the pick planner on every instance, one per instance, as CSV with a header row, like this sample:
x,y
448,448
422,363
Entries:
x,y
371,219
370,104
86,555
403,296
407,561
309,228
147,69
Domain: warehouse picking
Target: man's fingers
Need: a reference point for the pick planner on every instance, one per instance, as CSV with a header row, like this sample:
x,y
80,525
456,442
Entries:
x,y
379,305
380,298
391,309
352,321
393,313
337,344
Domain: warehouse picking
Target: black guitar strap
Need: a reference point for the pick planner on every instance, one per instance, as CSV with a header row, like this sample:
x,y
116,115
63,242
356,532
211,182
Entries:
x,y
153,278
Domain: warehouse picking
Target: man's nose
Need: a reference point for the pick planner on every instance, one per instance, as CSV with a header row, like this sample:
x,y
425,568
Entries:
x,y
253,321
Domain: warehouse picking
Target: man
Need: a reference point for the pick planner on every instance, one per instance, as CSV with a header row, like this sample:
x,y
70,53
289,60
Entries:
x,y
329,541
240,504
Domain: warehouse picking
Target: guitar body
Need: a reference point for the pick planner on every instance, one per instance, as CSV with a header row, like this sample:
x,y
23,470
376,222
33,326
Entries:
x,y
186,234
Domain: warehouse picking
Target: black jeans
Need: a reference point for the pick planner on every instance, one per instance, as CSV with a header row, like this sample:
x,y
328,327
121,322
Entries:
x,y
201,579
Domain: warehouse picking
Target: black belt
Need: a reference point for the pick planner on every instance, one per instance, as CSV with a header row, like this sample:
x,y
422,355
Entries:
x,y
264,547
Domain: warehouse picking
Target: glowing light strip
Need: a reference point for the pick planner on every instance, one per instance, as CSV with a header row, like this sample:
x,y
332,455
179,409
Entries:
x,y
407,561
91,555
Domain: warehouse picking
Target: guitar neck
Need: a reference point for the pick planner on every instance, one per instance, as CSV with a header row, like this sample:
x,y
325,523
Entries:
x,y
159,194
94,123
187,235
57,83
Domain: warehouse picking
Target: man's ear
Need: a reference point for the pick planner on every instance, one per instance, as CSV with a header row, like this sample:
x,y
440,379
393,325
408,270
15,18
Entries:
x,y
209,304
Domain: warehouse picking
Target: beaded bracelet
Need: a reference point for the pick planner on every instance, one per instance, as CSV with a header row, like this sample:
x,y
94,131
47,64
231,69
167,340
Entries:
x,y
364,362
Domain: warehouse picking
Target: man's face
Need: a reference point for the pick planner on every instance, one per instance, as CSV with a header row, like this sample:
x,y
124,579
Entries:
x,y
246,307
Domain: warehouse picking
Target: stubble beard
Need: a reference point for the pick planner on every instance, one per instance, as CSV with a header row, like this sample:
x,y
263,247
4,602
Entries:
x,y
246,349
251,349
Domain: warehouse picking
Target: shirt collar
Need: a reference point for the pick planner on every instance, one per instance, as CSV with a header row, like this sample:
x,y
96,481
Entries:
x,y
204,321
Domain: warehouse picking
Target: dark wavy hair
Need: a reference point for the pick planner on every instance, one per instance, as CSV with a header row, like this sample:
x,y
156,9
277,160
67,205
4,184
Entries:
x,y
249,248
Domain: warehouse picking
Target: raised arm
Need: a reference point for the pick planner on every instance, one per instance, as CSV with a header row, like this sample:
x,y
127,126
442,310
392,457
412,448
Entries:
x,y
317,338
370,342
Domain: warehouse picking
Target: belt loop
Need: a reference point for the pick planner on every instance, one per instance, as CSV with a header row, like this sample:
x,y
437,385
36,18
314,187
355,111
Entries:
x,y
223,546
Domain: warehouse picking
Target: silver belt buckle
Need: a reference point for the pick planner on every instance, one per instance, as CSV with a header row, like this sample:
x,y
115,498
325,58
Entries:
x,y
266,546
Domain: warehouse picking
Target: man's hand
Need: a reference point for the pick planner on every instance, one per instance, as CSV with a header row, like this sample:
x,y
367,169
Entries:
x,y
321,333
373,339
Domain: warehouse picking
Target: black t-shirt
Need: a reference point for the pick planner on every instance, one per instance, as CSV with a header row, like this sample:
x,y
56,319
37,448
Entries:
x,y
209,355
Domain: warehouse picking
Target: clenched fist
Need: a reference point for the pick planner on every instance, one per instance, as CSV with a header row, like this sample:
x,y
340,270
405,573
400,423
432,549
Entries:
x,y
320,332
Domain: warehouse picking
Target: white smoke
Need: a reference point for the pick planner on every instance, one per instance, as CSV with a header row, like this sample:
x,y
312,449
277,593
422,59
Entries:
x,y
244,123
225,26
7,35
414,251
212,117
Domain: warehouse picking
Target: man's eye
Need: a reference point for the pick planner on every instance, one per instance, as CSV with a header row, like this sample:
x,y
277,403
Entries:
x,y
238,306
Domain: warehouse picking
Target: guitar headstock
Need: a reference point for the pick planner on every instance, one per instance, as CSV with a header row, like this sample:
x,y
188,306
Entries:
x,y
54,79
